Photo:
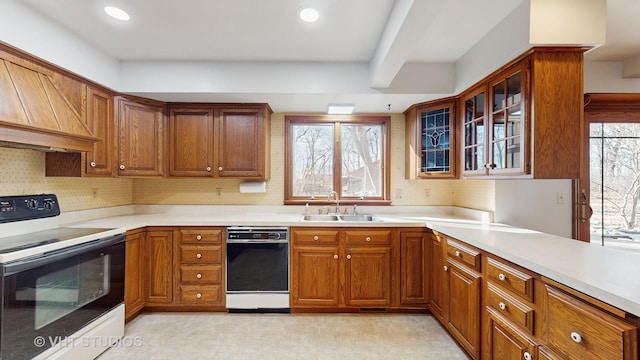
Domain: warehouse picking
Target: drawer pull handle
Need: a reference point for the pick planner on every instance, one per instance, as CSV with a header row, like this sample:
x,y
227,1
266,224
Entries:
x,y
576,337
527,356
198,256
198,237
348,257
198,276
219,168
368,238
335,256
502,306
446,268
208,168
458,253
93,164
122,167
316,238
198,296
502,277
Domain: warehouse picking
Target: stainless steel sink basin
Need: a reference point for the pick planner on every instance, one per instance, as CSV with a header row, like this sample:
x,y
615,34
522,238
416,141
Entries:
x,y
363,217
329,217
334,217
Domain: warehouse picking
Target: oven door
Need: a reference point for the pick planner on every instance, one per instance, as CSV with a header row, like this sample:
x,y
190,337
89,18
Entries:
x,y
48,298
257,266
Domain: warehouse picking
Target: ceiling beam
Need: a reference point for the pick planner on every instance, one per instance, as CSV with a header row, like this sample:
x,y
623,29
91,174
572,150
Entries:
x,y
407,24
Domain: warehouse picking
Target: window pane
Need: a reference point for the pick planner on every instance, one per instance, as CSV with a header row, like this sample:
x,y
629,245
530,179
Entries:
x,y
312,157
435,140
362,156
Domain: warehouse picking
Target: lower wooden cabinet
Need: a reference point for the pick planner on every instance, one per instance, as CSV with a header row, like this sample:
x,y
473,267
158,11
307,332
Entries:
x,y
159,267
134,284
324,259
439,288
415,269
504,341
463,307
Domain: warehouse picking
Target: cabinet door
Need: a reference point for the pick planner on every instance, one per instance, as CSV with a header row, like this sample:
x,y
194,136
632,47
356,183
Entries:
x,y
100,122
140,129
503,341
191,142
159,267
368,276
414,268
464,306
314,276
439,288
133,281
241,140
474,132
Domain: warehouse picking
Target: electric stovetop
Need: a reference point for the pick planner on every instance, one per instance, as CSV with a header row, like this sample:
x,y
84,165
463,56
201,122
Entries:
x,y
35,239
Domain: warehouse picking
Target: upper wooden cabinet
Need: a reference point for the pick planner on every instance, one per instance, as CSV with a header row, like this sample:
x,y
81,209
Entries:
x,y
140,138
430,133
219,140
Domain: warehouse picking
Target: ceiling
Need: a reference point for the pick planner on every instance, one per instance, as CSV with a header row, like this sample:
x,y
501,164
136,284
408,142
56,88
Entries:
x,y
382,35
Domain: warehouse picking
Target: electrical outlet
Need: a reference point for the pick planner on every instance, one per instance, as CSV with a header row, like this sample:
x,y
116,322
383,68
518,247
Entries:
x,y
219,191
427,193
94,192
560,198
398,193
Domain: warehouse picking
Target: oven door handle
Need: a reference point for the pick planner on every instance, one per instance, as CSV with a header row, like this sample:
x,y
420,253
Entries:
x,y
258,241
56,255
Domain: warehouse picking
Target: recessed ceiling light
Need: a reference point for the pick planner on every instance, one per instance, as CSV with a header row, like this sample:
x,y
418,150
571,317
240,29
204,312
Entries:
x,y
117,13
309,14
341,109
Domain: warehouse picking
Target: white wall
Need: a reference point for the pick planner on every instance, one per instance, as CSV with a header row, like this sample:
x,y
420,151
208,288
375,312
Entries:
x,y
606,77
533,204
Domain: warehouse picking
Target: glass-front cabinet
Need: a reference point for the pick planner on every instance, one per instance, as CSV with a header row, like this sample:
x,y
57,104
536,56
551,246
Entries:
x,y
494,126
431,140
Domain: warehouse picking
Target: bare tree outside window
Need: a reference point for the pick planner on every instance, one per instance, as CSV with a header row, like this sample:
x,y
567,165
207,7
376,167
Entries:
x,y
312,159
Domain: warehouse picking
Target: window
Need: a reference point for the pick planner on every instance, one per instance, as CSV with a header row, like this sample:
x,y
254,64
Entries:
x,y
348,155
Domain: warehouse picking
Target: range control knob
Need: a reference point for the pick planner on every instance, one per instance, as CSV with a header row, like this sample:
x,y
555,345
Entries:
x,y
49,204
31,204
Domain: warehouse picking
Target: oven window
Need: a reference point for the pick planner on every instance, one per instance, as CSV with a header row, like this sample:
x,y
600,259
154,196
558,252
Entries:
x,y
61,292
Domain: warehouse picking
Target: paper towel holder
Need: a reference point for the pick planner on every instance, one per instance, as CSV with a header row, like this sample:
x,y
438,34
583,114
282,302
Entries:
x,y
253,187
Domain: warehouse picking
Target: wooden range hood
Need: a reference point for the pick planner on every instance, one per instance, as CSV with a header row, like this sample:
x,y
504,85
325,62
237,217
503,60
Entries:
x,y
34,113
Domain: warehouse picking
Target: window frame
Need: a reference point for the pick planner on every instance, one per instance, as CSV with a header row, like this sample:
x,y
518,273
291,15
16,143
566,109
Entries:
x,y
336,121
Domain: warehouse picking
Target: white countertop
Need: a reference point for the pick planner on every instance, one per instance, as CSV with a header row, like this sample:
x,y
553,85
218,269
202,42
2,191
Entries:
x,y
607,274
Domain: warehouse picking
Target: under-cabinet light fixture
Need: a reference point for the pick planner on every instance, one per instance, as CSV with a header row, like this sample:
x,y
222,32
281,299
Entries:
x,y
117,13
341,109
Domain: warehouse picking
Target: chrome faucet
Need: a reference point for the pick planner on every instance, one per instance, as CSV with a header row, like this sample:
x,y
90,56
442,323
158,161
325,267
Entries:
x,y
335,194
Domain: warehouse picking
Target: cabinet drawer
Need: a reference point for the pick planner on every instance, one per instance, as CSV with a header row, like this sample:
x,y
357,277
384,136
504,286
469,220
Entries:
x,y
209,236
581,331
512,309
200,254
378,237
201,295
201,274
463,254
315,236
510,278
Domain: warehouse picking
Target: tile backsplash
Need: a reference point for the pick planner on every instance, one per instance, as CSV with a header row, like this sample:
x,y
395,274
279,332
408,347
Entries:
x,y
22,172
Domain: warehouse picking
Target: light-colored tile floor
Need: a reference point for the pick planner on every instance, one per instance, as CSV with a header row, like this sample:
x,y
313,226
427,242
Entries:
x,y
284,336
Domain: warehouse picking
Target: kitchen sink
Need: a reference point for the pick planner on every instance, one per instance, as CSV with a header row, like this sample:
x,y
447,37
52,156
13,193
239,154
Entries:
x,y
345,217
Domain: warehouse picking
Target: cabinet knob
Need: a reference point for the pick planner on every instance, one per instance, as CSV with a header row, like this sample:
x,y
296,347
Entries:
x,y
198,276
458,253
219,168
527,356
316,238
348,257
122,167
446,268
576,337
502,306
335,256
208,168
198,296
92,164
198,237
502,277
198,256
368,238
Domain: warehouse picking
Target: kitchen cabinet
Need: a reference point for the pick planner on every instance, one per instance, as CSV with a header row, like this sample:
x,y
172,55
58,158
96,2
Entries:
x,y
325,258
504,341
463,295
415,271
140,136
199,267
219,140
439,288
134,297
430,140
159,267
98,116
